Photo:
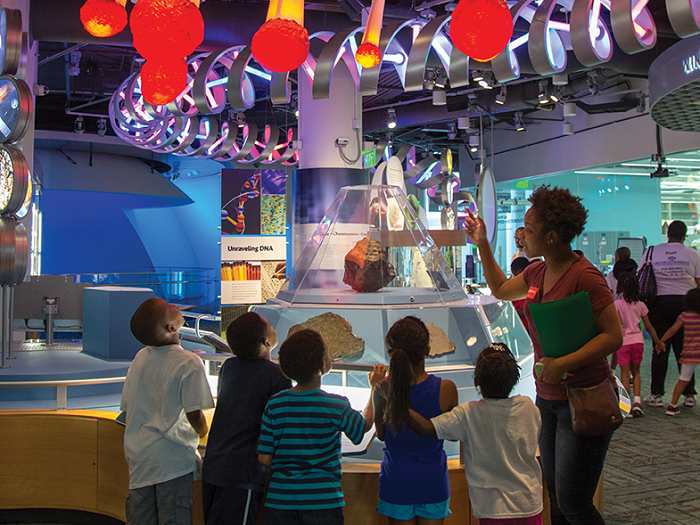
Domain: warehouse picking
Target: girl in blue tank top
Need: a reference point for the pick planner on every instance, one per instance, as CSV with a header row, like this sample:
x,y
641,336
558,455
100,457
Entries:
x,y
413,484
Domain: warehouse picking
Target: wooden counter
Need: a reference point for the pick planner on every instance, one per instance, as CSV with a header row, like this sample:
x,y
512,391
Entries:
x,y
74,459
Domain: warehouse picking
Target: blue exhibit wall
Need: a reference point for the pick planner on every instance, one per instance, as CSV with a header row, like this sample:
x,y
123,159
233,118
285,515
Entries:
x,y
116,216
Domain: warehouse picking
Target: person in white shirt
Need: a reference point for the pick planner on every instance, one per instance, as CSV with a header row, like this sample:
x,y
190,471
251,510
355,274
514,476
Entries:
x,y
499,434
677,270
165,393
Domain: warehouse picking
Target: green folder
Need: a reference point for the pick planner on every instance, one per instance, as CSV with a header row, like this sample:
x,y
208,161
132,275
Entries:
x,y
565,325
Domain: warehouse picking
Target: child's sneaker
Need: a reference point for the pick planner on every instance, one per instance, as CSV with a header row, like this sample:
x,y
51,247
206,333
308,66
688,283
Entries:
x,y
654,400
637,410
689,401
673,410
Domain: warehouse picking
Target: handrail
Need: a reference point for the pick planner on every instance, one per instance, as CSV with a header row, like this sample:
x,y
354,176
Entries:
x,y
62,386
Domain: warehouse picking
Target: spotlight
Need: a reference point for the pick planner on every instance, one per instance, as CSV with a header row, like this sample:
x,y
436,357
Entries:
x,y
501,97
593,85
79,126
487,82
102,127
519,126
240,119
391,118
473,143
74,64
464,123
439,97
452,131
568,128
555,96
543,92
477,76
570,109
440,78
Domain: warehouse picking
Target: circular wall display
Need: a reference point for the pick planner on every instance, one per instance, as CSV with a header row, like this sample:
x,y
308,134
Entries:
x,y
11,40
15,109
14,252
14,179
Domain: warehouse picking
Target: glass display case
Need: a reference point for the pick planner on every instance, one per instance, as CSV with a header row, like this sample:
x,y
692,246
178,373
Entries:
x,y
371,262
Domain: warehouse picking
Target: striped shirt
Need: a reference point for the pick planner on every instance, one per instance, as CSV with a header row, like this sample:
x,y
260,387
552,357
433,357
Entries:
x,y
691,338
301,431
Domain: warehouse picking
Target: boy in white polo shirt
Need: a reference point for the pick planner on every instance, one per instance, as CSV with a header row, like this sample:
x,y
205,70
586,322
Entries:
x,y
164,394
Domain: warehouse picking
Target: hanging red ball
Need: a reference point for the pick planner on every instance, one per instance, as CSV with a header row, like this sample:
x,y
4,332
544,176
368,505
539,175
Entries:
x,y
162,80
368,55
481,29
175,27
280,45
103,18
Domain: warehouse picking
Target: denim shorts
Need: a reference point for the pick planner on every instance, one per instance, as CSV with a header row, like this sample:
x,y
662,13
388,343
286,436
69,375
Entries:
x,y
430,511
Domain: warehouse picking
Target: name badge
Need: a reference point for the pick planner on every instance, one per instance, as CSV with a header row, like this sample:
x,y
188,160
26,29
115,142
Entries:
x,y
532,292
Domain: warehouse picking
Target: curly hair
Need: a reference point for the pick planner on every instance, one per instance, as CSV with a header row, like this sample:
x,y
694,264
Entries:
x,y
496,372
559,211
246,334
407,345
302,355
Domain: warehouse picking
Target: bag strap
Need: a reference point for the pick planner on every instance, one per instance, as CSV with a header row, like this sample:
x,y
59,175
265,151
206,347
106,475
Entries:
x,y
650,254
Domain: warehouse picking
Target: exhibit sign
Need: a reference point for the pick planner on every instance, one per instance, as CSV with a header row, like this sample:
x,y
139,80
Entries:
x,y
253,235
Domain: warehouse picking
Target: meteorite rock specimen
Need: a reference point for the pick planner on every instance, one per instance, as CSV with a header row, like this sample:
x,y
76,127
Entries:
x,y
337,333
366,267
439,343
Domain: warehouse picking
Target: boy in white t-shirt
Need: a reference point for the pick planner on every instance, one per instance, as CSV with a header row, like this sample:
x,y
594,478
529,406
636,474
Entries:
x,y
164,394
499,434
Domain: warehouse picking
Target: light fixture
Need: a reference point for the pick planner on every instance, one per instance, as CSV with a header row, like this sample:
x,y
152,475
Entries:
x,y
485,39
101,127
103,18
570,109
439,97
477,76
440,78
282,43
473,143
542,96
368,53
641,104
452,131
568,128
74,64
519,126
560,79
79,126
501,97
391,118
464,123
240,119
555,95
487,81
163,79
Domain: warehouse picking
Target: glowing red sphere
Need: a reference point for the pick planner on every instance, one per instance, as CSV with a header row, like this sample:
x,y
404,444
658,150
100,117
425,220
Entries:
x,y
481,29
162,80
103,18
280,45
175,27
368,55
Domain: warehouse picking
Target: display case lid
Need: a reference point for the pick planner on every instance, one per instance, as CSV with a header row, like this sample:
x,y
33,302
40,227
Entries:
x,y
371,248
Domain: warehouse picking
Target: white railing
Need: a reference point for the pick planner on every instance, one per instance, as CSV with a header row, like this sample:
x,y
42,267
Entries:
x,y
62,386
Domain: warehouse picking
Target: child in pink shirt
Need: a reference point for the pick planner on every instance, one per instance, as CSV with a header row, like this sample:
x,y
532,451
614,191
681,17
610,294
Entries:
x,y
631,311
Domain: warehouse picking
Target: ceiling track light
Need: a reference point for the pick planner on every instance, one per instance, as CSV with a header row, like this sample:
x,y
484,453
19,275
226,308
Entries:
x,y
439,97
440,78
555,95
452,131
570,109
568,128
391,118
240,119
519,126
79,126
501,97
477,76
101,127
464,123
473,143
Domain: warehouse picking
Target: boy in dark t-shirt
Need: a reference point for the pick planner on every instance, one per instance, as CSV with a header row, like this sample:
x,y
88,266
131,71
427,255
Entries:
x,y
233,481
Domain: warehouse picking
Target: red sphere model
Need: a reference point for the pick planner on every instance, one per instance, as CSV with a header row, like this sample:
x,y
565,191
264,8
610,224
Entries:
x,y
368,55
163,80
103,18
280,45
172,27
481,29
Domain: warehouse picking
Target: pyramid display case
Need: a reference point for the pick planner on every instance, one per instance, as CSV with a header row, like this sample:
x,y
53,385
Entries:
x,y
370,262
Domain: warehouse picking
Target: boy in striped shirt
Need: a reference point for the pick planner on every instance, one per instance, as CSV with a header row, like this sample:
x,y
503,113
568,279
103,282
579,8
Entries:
x,y
300,437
